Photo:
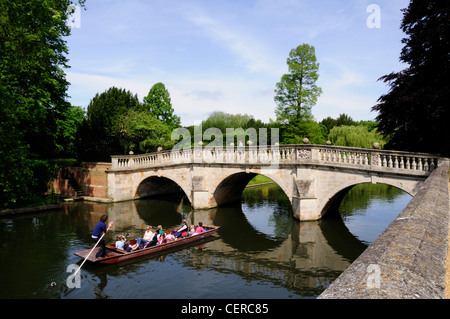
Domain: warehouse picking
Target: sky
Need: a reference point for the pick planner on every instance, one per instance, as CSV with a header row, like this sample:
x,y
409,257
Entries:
x,y
228,55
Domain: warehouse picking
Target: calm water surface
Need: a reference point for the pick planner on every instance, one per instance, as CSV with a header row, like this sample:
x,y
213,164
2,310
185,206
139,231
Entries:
x,y
260,251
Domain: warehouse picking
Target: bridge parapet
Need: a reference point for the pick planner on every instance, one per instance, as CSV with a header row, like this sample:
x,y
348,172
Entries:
x,y
372,159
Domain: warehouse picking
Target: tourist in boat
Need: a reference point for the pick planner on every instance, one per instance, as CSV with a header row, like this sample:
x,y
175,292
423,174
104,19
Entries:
x,y
99,229
170,237
159,230
199,229
182,229
161,239
127,247
152,242
192,230
148,235
120,241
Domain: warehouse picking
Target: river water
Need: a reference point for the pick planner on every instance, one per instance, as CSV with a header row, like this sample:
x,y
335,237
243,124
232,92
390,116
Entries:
x,y
259,252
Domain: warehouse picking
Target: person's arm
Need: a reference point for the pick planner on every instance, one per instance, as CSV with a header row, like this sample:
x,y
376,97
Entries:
x,y
109,226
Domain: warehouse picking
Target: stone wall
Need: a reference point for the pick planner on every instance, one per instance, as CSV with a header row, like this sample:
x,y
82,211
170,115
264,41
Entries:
x,y
408,260
91,180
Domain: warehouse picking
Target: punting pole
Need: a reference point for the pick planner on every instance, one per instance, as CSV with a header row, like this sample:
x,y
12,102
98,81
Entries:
x,y
93,249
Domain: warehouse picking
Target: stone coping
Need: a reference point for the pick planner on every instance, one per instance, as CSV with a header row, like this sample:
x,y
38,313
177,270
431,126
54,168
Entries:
x,y
408,259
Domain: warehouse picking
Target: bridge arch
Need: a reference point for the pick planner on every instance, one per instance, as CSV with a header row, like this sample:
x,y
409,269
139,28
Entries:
x,y
161,186
337,194
229,189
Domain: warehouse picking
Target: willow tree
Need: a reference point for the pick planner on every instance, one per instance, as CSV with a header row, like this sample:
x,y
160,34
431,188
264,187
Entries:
x,y
297,91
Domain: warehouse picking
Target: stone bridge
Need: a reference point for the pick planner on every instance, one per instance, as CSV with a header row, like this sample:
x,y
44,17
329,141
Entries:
x,y
314,177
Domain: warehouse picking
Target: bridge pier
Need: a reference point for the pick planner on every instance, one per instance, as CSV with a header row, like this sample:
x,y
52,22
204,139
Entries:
x,y
305,209
202,199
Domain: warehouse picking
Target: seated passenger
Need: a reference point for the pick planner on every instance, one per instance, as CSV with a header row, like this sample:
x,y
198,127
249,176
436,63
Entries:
x,y
159,230
170,237
152,242
192,230
182,229
199,229
161,239
120,241
141,242
129,248
148,235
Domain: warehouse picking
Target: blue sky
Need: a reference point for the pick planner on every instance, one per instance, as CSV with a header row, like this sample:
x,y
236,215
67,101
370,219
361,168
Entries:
x,y
218,55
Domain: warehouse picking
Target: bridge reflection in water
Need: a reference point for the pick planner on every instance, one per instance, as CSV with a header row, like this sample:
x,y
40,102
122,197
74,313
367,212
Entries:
x,y
258,240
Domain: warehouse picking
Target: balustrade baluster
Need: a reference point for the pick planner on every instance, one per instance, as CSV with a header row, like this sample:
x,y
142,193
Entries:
x,y
389,161
383,160
426,167
432,165
401,164
413,163
419,164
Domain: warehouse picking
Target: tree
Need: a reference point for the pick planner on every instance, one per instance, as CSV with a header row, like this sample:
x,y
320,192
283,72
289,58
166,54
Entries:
x,y
297,91
415,112
105,110
159,104
33,91
67,128
297,130
145,133
343,119
101,133
355,136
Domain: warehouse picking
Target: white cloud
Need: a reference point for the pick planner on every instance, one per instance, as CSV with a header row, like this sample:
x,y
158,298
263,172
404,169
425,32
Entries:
x,y
228,55
246,48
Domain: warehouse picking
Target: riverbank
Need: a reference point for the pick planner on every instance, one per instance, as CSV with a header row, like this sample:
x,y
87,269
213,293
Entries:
x,y
28,210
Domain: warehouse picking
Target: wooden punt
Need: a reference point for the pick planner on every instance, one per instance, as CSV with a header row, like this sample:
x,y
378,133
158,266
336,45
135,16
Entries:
x,y
115,255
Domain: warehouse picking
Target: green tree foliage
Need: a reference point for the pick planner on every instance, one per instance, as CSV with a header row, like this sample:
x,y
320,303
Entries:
x,y
33,92
145,133
158,102
297,91
67,129
105,110
297,130
100,134
234,127
222,121
117,123
343,119
354,136
415,112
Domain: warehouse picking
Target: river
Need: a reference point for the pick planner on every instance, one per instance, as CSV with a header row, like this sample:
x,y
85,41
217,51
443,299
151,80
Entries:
x,y
259,252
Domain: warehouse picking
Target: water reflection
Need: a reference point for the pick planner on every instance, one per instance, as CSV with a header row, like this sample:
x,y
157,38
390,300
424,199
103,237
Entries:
x,y
260,248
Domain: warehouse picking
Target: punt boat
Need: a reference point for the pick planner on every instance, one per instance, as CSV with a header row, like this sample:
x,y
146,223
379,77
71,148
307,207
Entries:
x,y
115,255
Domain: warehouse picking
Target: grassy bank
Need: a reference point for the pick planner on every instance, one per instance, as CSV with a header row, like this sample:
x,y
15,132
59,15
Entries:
x,y
260,179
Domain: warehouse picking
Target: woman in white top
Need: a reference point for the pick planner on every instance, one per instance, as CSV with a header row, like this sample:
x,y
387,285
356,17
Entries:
x,y
148,235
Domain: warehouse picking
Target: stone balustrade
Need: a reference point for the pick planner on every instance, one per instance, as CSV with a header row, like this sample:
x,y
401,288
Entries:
x,y
283,154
